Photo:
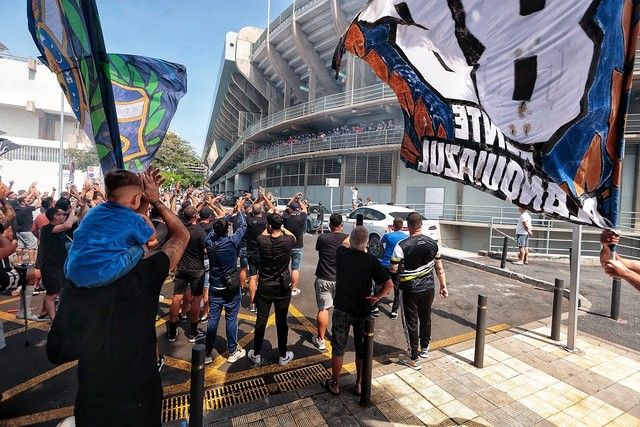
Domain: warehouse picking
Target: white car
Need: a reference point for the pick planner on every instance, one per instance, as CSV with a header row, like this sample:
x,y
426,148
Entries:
x,y
379,220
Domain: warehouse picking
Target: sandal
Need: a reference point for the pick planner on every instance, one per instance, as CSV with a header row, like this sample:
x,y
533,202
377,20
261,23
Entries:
x,y
327,385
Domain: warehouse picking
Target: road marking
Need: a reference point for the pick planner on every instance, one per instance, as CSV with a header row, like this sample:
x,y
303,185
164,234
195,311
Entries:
x,y
32,324
446,342
310,327
14,391
8,300
39,417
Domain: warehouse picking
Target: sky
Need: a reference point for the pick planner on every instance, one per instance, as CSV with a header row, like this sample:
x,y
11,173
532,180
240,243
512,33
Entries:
x,y
191,33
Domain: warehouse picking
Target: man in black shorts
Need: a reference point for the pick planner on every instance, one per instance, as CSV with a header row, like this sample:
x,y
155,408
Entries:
x,y
189,275
355,271
415,258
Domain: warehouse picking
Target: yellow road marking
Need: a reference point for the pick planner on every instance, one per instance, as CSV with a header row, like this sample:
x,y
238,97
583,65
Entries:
x,y
8,300
12,392
8,317
177,363
310,327
467,336
40,417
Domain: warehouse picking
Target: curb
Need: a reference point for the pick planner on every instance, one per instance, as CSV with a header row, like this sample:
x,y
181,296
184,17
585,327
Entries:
x,y
582,301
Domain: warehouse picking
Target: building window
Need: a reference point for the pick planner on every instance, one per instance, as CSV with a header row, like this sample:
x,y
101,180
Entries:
x,y
321,169
368,168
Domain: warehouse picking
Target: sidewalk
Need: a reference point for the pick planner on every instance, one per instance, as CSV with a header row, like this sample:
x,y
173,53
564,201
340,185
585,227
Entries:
x,y
527,380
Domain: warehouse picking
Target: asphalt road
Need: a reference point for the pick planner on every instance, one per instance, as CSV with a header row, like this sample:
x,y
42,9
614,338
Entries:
x,y
596,287
40,392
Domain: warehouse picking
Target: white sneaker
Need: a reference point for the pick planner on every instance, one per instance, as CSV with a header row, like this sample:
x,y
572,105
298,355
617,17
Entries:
x,y
424,353
407,361
318,343
237,355
518,263
295,291
255,359
208,359
288,358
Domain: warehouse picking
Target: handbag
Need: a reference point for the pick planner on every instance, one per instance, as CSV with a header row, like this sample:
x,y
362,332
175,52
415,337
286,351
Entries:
x,y
231,278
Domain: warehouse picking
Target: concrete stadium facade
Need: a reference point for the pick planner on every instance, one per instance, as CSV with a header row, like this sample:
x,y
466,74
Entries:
x,y
277,102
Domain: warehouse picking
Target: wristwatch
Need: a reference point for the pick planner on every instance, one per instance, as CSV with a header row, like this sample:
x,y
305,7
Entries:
x,y
157,203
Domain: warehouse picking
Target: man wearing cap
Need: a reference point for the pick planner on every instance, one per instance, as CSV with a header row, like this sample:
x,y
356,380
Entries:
x,y
295,219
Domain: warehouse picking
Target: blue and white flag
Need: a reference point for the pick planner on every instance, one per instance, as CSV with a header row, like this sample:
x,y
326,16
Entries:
x,y
523,99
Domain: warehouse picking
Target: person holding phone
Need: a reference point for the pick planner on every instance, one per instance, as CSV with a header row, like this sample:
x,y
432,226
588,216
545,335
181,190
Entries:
x,y
274,287
295,220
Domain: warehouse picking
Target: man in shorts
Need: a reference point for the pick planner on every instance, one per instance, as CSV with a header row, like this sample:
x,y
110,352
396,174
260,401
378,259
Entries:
x,y
355,270
523,231
325,283
189,276
295,220
24,221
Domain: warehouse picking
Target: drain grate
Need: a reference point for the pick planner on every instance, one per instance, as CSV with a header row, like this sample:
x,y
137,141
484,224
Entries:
x,y
303,377
177,407
234,394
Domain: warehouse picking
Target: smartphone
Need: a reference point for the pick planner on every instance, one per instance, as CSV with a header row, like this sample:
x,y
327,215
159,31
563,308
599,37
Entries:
x,y
359,219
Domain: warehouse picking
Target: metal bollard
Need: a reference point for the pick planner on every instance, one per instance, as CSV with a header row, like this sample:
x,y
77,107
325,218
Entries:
x,y
505,247
556,317
196,396
367,362
615,299
481,324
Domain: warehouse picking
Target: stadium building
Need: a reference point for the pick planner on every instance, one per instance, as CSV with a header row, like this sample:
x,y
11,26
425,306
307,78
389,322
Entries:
x,y
281,120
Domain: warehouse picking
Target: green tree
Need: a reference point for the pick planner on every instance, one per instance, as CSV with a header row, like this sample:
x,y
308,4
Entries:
x,y
176,159
84,158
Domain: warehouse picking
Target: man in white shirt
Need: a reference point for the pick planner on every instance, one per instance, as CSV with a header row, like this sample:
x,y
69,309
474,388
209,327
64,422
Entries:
x,y
523,231
354,196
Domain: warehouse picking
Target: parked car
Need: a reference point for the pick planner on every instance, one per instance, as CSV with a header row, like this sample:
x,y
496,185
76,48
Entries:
x,y
313,223
281,203
379,220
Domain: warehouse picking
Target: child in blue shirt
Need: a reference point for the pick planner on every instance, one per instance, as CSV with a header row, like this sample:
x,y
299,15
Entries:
x,y
389,242
110,240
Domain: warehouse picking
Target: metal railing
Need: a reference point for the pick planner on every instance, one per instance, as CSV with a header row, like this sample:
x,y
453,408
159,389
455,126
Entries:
x,y
368,94
551,238
327,143
633,124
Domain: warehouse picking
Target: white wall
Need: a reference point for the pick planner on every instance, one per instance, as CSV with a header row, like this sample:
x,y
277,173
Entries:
x,y
18,85
25,172
18,122
411,178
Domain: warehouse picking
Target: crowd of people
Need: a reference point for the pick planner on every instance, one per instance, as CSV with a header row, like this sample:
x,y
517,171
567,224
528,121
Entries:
x,y
321,135
102,257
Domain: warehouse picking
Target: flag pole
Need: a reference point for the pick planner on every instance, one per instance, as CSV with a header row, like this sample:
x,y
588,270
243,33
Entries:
x,y
576,249
101,62
61,150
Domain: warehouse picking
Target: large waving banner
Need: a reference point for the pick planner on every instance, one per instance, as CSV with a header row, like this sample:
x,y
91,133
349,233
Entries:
x,y
146,93
124,103
523,99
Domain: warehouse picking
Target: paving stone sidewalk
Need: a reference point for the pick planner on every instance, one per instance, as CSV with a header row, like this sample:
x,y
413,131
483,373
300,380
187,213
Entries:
x,y
527,380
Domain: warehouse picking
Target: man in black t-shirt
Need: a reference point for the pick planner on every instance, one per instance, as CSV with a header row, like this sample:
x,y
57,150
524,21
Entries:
x,y
118,381
355,270
256,224
415,258
325,283
275,245
24,222
189,276
295,220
